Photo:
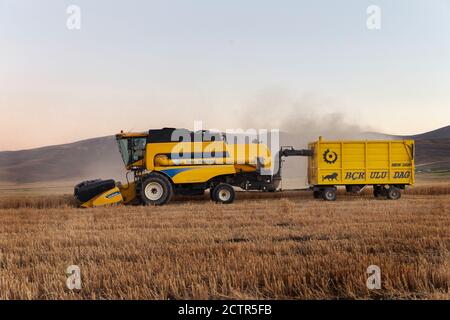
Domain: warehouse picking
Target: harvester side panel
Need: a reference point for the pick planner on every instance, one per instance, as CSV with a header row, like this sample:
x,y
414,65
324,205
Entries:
x,y
195,173
361,162
198,162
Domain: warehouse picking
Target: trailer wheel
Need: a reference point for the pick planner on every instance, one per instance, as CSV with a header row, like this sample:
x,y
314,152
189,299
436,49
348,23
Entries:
x,y
379,192
223,193
393,193
317,194
156,190
329,194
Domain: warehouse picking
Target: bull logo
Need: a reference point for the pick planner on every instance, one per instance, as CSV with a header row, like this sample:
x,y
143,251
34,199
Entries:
x,y
330,177
329,156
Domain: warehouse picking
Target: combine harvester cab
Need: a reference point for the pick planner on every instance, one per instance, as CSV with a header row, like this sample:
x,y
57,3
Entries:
x,y
387,166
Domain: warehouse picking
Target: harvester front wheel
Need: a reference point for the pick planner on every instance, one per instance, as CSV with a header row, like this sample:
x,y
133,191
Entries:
x,y
223,193
156,190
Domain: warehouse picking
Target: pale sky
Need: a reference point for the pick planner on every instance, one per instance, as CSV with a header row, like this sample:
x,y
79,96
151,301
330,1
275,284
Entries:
x,y
136,65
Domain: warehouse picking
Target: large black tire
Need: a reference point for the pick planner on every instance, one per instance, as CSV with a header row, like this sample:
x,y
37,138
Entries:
x,y
156,190
329,194
317,194
223,193
393,193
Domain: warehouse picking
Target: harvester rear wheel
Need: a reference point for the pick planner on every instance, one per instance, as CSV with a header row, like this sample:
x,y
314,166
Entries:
x,y
223,193
156,190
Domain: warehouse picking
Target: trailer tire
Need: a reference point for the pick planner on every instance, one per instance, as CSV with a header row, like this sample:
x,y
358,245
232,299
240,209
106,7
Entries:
x,y
329,194
393,193
156,190
223,193
317,194
379,192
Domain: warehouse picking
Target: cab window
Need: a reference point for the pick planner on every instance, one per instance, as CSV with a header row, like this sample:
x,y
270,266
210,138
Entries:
x,y
132,149
138,148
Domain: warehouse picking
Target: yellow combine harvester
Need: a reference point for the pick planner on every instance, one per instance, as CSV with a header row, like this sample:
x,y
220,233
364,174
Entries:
x,y
176,161
171,161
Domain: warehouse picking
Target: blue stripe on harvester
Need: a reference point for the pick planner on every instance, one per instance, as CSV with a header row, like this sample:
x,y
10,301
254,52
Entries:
x,y
173,172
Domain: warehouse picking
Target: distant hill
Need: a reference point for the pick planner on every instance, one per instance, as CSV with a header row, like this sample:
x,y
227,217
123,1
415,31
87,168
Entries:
x,y
100,158
441,133
433,154
93,158
432,150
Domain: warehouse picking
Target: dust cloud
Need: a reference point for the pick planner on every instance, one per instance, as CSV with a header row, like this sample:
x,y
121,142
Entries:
x,y
301,121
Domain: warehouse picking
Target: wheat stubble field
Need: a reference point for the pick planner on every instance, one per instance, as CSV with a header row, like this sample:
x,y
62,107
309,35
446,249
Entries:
x,y
264,246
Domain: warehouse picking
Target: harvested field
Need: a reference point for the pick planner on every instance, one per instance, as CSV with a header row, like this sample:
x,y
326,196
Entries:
x,y
264,246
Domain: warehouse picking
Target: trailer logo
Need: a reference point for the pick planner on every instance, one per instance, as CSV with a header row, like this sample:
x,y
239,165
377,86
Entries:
x,y
330,177
378,175
402,175
357,175
330,157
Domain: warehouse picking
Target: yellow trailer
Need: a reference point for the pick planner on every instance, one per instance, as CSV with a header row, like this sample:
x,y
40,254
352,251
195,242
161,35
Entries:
x,y
386,165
